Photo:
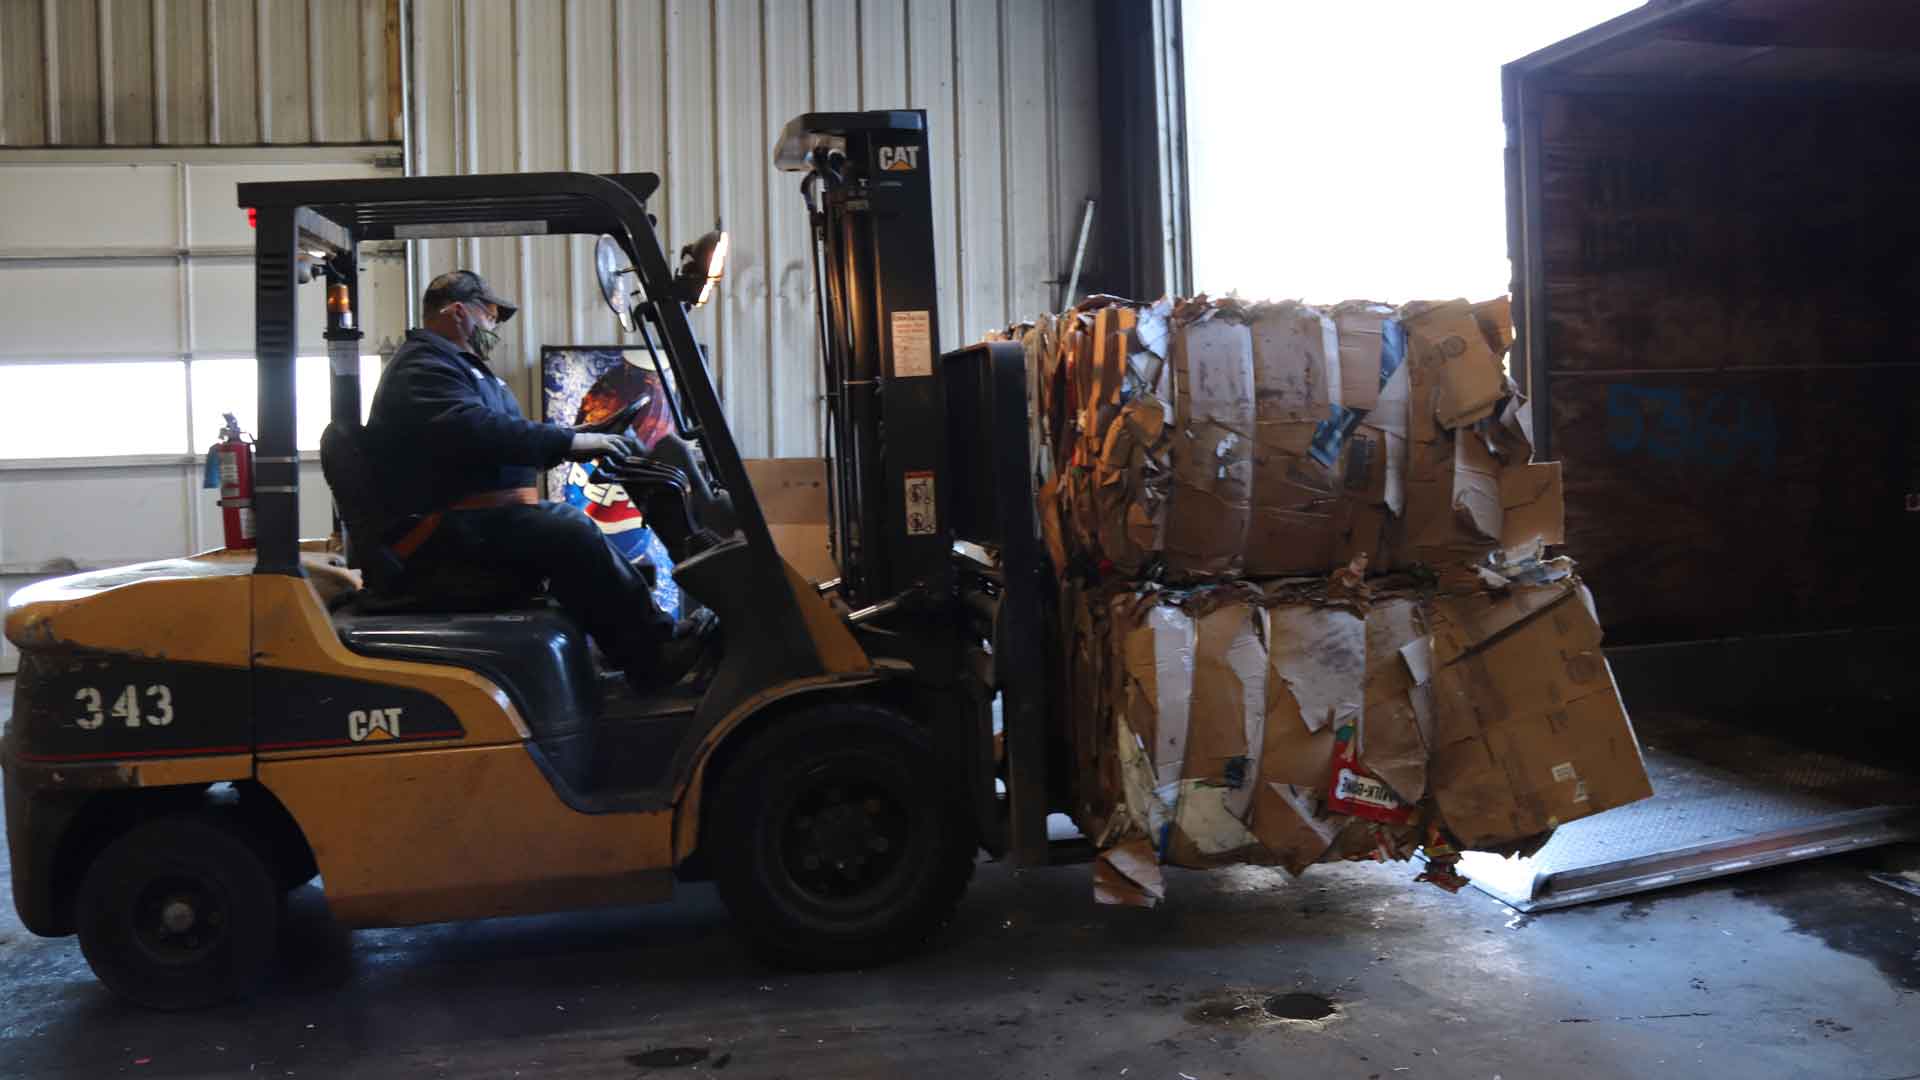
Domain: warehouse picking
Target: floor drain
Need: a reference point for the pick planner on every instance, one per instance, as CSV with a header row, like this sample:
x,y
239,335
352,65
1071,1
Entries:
x,y
1300,1007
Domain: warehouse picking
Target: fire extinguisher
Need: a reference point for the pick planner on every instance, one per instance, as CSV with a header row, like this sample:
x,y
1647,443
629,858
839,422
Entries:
x,y
234,456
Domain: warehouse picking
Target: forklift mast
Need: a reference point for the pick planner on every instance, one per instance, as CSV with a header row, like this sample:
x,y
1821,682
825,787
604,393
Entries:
x,y
930,484
871,210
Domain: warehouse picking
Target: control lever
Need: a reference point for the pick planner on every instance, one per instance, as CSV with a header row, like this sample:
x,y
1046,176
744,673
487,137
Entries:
x,y
661,491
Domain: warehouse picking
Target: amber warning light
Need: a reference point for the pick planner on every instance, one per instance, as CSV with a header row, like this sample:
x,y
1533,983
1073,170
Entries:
x,y
339,307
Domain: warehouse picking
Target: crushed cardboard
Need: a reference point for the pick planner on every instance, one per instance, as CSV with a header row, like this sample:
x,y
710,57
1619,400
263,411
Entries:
x,y
1441,687
1357,326
1285,728
1530,731
1212,446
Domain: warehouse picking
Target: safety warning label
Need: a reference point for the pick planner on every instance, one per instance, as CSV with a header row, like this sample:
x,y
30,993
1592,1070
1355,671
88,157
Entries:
x,y
912,343
920,513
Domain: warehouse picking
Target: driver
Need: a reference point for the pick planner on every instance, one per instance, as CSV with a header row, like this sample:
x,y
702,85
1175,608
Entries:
x,y
454,448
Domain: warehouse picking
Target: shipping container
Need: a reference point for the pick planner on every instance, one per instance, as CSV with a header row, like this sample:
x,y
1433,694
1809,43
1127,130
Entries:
x,y
1713,215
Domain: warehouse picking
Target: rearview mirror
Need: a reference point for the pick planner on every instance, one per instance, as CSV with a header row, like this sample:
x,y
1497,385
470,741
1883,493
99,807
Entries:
x,y
610,265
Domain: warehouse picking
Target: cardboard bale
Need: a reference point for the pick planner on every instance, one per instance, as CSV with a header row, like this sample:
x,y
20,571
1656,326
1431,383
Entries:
x,y
1079,484
1296,383
1225,727
1491,715
1074,345
1293,826
1391,418
1533,507
1112,330
1495,318
1476,490
1054,529
1133,485
1530,732
1396,722
1290,530
1212,448
1457,377
1364,530
1372,489
1148,369
1357,325
1318,657
1225,722
1156,644
1363,466
1227,717
1314,676
1296,362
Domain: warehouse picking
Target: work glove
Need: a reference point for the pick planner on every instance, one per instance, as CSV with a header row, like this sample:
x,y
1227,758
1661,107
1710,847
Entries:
x,y
589,446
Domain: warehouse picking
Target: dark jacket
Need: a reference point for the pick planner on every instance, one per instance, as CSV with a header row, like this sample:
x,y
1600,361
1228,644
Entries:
x,y
444,426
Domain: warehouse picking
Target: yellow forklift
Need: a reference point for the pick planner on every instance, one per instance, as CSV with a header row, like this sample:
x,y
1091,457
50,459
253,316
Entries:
x,y
191,738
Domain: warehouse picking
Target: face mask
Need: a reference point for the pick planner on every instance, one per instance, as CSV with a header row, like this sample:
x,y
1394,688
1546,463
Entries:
x,y
482,338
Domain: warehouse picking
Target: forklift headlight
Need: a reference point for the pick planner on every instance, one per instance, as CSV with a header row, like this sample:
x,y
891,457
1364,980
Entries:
x,y
701,264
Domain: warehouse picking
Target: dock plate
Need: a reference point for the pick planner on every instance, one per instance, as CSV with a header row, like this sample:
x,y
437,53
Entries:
x,y
1725,801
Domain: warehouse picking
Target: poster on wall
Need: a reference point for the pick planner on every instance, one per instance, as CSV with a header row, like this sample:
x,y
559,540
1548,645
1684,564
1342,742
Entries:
x,y
582,384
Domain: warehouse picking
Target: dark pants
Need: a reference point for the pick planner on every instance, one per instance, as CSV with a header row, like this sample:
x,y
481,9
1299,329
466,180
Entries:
x,y
555,541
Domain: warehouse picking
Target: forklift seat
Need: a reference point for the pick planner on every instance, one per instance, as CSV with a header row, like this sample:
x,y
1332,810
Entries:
x,y
539,657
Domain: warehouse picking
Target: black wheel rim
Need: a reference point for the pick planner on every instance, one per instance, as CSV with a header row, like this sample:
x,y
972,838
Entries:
x,y
844,838
178,920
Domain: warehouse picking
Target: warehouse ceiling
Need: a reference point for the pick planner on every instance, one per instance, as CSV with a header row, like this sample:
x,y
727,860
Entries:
x,y
1759,42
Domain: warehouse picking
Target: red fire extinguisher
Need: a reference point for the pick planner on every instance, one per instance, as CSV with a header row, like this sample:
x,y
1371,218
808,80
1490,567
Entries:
x,y
234,453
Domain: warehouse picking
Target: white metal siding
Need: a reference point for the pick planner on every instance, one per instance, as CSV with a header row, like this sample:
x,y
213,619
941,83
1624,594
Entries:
x,y
198,72
124,257
698,90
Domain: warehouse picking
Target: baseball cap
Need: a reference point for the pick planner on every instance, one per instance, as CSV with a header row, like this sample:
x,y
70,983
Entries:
x,y
455,286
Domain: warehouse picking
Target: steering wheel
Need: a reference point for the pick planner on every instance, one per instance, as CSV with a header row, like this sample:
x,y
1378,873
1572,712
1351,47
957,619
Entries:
x,y
617,423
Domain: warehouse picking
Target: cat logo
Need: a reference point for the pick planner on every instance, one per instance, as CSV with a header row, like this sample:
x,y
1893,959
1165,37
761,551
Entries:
x,y
899,158
364,724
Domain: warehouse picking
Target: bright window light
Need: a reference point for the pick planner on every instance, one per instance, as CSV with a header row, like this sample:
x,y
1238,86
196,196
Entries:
x,y
228,385
1355,150
93,409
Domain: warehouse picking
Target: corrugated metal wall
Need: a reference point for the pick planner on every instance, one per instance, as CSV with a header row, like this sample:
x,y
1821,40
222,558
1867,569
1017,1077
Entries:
x,y
199,72
698,90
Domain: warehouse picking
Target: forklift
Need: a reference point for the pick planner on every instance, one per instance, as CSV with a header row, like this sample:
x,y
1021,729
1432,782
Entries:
x,y
192,738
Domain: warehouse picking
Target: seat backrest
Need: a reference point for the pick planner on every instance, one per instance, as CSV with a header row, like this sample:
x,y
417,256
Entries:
x,y
365,519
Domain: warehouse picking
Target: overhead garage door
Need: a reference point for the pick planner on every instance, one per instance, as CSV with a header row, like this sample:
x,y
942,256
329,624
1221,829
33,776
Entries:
x,y
126,285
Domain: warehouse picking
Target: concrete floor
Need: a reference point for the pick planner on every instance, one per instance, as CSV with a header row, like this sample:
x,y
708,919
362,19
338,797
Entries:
x,y
1805,971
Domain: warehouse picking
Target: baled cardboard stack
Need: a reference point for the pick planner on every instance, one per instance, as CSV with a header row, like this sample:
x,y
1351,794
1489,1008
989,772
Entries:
x,y
1307,597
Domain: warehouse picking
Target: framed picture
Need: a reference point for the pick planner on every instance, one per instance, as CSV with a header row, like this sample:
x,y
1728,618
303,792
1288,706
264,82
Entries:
x,y
581,384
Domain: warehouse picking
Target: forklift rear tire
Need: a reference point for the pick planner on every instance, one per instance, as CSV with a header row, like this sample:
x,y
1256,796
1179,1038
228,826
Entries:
x,y
838,840
179,913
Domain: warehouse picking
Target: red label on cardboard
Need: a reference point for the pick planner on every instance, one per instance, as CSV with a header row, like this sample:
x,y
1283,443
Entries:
x,y
1353,790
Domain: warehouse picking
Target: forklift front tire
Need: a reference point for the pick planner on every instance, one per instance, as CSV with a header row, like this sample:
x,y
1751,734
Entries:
x,y
838,839
179,913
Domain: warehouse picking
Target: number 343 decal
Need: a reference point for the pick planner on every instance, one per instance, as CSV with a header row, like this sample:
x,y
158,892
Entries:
x,y
154,708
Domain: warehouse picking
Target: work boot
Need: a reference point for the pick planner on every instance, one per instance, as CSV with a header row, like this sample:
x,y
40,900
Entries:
x,y
693,649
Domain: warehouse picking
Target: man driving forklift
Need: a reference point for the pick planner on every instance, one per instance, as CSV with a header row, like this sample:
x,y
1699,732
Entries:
x,y
458,461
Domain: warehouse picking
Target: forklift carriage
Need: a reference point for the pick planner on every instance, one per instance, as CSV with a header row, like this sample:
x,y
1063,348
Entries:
x,y
193,737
